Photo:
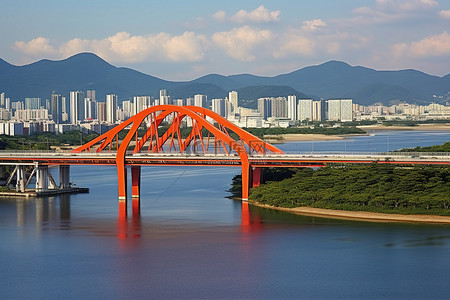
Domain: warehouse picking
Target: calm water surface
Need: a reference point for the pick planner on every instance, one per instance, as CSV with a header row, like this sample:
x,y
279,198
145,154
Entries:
x,y
191,242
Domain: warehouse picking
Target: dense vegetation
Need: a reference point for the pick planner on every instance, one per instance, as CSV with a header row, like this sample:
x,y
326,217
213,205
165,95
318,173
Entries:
x,y
44,141
376,188
436,148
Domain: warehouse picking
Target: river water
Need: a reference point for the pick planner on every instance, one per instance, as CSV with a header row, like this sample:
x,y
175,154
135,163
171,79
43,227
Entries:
x,y
191,242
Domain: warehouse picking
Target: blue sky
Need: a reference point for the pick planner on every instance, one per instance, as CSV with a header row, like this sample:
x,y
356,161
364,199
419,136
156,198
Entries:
x,y
183,40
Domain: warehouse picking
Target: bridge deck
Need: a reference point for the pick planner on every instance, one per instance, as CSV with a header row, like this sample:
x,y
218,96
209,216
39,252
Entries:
x,y
269,160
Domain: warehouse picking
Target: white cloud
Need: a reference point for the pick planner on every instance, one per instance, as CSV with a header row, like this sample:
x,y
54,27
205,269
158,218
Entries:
x,y
405,5
239,43
258,15
73,47
295,44
386,11
37,46
436,45
220,16
445,14
313,24
123,47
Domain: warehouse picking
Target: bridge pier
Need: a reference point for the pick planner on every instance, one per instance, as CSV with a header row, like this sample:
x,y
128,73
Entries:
x,y
64,176
257,176
250,175
122,181
245,175
20,181
136,190
42,178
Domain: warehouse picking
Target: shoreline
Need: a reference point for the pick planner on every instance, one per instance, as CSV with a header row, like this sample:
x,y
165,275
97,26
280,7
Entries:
x,y
302,137
423,127
360,215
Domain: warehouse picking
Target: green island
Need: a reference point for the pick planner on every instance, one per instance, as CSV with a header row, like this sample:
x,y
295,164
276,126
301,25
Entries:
x,y
381,188
261,132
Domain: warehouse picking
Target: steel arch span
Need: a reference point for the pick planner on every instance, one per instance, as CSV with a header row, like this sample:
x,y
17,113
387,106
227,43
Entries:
x,y
177,129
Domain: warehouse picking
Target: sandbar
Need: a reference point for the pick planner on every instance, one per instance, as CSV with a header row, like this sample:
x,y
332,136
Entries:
x,y
361,215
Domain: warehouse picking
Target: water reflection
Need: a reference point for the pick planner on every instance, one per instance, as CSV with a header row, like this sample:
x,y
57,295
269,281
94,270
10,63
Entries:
x,y
250,219
45,210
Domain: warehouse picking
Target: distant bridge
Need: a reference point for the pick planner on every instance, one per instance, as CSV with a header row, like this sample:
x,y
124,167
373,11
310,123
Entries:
x,y
153,137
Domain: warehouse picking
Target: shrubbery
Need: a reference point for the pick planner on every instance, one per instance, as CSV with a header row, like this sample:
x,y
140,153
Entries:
x,y
377,188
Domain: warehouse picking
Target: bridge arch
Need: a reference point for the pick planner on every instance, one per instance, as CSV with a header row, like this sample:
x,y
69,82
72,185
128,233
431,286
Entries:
x,y
158,129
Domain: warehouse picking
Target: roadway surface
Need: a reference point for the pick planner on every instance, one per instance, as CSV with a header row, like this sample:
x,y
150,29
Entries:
x,y
256,160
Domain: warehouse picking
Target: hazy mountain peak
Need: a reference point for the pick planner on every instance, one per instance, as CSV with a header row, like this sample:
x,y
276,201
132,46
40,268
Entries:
x,y
328,80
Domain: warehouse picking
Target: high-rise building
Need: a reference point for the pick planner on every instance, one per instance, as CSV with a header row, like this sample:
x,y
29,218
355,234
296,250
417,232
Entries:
x,y
127,109
101,111
305,110
90,94
32,103
111,107
346,110
2,100
180,102
200,100
292,107
265,107
340,110
233,98
189,101
76,107
56,108
219,107
90,108
163,98
7,103
140,103
318,111
279,107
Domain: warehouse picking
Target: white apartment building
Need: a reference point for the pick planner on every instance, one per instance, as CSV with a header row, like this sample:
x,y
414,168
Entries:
x,y
233,98
292,107
340,110
111,108
76,107
200,100
305,109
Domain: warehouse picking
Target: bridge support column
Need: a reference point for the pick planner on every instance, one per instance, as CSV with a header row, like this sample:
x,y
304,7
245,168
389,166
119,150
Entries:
x,y
20,182
257,176
122,181
64,176
42,178
245,180
136,190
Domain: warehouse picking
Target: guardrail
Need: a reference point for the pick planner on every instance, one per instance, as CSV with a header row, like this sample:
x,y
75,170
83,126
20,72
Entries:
x,y
175,154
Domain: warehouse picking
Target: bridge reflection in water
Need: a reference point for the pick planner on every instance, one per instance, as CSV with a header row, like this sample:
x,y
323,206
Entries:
x,y
55,212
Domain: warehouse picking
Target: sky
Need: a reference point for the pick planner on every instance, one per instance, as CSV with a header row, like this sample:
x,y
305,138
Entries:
x,y
184,40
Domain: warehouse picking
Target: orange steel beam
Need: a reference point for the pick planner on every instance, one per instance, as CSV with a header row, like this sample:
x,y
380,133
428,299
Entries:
x,y
199,122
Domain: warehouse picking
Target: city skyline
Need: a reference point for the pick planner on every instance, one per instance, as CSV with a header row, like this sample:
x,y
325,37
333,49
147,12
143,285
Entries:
x,y
182,41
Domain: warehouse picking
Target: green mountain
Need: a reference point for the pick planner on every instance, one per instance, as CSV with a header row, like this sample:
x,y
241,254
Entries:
x,y
333,79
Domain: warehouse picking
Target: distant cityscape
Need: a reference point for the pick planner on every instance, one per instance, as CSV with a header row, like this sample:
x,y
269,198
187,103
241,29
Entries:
x,y
82,111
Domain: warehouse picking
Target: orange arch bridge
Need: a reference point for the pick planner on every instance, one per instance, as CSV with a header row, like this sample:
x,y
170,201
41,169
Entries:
x,y
177,130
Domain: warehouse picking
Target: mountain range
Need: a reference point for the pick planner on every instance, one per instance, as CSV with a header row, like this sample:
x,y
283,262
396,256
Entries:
x,y
333,79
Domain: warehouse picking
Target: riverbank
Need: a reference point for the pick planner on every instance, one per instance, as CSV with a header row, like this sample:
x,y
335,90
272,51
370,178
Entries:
x,y
422,127
360,215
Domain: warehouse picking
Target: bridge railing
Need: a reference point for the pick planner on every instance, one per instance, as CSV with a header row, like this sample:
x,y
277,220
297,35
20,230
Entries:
x,y
28,151
341,153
